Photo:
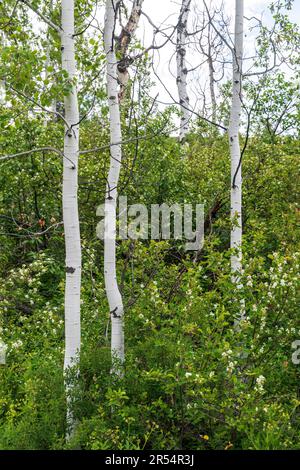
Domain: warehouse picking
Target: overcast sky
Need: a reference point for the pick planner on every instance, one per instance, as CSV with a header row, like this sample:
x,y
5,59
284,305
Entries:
x,y
166,11
160,9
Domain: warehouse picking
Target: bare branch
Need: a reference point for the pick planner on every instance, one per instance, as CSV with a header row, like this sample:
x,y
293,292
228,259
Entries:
x,y
28,98
50,23
42,149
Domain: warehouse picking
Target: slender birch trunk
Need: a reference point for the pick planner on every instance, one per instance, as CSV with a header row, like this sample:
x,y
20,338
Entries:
x,y
111,284
3,346
235,151
212,89
182,71
70,203
211,77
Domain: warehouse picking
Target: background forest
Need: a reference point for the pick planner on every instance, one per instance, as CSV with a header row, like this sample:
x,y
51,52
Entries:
x,y
208,335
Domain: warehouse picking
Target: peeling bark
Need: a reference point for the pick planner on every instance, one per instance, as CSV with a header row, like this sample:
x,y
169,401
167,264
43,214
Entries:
x,y
122,45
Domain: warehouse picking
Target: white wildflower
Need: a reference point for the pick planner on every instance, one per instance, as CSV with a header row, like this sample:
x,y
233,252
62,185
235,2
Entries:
x,y
260,381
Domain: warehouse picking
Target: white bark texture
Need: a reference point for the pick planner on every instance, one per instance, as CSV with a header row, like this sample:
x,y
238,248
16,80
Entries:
x,y
70,186
182,71
111,284
235,151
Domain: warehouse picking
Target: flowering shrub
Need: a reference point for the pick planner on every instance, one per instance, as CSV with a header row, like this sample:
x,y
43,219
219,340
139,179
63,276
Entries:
x,y
192,379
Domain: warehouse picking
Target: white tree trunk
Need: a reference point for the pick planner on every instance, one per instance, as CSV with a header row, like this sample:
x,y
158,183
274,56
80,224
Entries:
x,y
212,89
182,72
111,285
235,151
211,77
70,203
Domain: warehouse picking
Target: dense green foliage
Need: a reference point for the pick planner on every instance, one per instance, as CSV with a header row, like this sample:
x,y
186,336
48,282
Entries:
x,y
187,383
192,380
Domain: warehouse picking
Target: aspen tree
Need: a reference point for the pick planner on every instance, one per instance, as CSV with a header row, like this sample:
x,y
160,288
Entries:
x,y
3,346
70,203
111,284
211,72
182,71
117,76
66,32
235,150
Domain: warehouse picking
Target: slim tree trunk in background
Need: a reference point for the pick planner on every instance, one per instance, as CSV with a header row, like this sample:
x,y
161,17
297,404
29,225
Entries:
x,y
48,64
211,78
70,203
111,285
235,151
2,92
182,69
2,84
